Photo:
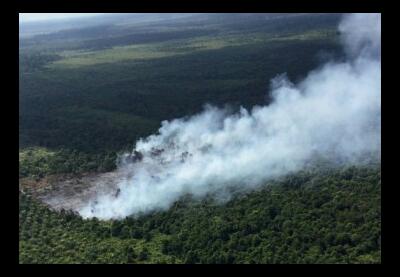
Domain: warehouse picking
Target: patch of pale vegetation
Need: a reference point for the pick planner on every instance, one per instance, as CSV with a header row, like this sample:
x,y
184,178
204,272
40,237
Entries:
x,y
34,153
137,52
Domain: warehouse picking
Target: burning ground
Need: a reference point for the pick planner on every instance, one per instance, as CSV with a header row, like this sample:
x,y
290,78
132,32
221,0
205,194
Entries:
x,y
70,192
334,113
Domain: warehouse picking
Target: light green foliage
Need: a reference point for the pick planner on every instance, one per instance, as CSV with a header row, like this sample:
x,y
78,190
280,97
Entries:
x,y
51,237
38,162
89,93
140,52
325,216
102,88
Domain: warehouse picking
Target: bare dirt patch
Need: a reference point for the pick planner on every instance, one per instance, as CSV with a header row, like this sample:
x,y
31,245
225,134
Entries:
x,y
70,192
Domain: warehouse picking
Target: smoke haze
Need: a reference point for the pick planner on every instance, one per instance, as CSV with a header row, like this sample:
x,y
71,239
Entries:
x,y
334,113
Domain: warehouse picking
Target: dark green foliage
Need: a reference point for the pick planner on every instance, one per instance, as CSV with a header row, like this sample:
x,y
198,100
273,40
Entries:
x,y
47,236
32,61
87,114
111,105
37,162
330,216
109,35
82,117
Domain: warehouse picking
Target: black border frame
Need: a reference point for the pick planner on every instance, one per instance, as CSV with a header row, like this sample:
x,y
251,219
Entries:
x,y
11,107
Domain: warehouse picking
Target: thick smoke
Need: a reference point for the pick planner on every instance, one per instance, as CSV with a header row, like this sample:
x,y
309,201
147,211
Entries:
x,y
334,113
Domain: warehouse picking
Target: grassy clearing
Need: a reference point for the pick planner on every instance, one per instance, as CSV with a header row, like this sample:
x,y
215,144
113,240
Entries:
x,y
34,153
138,52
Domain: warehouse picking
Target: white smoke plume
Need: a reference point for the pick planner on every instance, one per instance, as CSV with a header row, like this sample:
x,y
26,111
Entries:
x,y
335,113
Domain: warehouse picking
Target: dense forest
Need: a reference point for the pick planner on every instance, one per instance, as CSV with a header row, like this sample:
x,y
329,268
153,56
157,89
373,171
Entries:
x,y
106,99
315,216
87,94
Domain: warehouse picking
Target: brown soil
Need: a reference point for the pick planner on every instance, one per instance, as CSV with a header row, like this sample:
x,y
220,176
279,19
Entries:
x,y
70,192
